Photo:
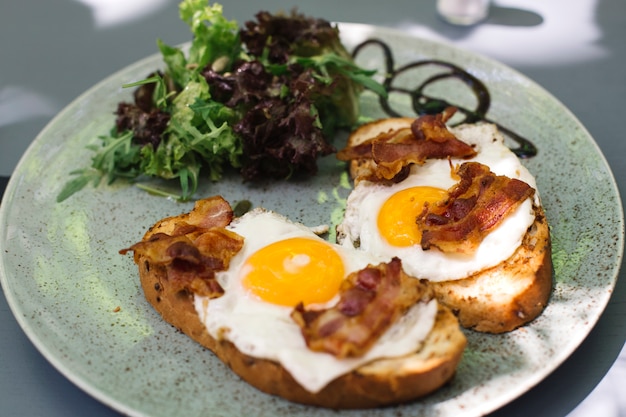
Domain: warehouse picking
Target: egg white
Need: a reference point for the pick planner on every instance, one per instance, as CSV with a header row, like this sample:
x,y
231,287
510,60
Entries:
x,y
359,225
264,330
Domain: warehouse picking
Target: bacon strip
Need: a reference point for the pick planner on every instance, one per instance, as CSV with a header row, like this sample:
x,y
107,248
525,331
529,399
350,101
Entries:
x,y
198,247
427,137
371,300
475,206
211,212
363,150
206,214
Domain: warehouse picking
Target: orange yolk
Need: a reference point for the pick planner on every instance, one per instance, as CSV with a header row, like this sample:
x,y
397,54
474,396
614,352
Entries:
x,y
294,270
396,218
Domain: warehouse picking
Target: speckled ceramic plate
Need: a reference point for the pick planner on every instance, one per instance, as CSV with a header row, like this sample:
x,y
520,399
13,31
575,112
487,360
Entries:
x,y
80,303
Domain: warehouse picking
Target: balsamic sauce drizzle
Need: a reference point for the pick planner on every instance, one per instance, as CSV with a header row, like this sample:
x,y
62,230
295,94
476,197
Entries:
x,y
425,104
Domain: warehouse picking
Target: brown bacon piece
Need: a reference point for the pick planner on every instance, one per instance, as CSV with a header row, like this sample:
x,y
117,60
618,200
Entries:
x,y
474,207
363,150
206,214
427,137
371,300
198,247
211,212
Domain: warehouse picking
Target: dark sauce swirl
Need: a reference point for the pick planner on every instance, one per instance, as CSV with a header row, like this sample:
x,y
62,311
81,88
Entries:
x,y
425,104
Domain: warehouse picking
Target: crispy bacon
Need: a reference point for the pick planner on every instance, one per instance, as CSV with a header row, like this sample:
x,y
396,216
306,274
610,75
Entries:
x,y
474,207
371,300
363,150
427,137
198,247
211,212
206,214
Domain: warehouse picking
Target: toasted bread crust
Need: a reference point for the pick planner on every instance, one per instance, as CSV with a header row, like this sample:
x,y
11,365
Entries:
x,y
496,300
382,382
485,303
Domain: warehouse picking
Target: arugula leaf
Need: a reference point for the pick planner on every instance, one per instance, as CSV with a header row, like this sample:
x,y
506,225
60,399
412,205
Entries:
x,y
160,95
329,64
117,158
85,176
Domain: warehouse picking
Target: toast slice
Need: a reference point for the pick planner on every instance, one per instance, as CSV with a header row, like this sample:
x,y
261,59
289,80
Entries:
x,y
495,300
508,295
378,383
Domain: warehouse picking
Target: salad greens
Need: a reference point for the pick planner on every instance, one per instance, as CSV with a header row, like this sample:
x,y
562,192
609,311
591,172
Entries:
x,y
264,99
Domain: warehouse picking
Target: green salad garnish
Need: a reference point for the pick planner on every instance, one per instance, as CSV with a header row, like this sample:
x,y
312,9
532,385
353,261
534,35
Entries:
x,y
264,99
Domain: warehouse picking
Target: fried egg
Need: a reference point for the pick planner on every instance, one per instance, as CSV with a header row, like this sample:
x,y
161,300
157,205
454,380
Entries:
x,y
281,264
380,218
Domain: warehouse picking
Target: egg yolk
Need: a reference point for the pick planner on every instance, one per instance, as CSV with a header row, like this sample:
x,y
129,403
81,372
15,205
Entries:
x,y
396,218
294,270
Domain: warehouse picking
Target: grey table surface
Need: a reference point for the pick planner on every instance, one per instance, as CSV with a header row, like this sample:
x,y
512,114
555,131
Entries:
x,y
53,50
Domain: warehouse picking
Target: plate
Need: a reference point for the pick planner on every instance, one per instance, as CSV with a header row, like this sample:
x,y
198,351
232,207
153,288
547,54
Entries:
x,y
80,303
